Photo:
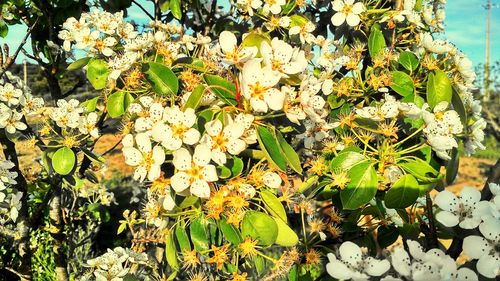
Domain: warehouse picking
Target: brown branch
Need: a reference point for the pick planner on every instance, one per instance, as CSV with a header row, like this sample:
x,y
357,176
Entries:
x,y
430,235
10,60
143,9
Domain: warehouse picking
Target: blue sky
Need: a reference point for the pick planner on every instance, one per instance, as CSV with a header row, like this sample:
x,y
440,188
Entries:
x,y
465,27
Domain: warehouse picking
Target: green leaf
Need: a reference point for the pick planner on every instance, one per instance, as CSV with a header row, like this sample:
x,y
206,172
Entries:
x,y
403,193
376,41
78,64
182,238
293,274
270,146
402,83
255,39
387,235
291,156
4,29
161,78
175,8
90,104
121,228
459,107
286,236
408,60
195,98
259,226
171,251
438,88
97,73
362,187
118,102
230,232
184,202
346,160
198,231
223,172
63,161
421,170
222,88
452,166
273,205
92,156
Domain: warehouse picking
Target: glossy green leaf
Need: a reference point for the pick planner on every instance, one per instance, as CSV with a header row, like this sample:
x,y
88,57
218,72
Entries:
x,y
118,102
421,170
195,97
286,236
171,251
438,88
231,233
198,231
376,41
175,8
387,235
408,60
362,187
291,156
270,146
222,88
223,172
402,83
259,226
182,238
97,73
90,104
403,193
459,107
63,160
161,78
346,160
255,39
273,205
452,166
4,29
78,63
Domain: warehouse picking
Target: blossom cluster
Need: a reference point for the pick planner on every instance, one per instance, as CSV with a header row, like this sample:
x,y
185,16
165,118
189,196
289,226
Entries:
x,y
414,264
16,102
10,199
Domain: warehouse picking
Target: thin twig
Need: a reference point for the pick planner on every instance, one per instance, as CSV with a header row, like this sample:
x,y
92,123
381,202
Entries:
x,y
143,9
10,60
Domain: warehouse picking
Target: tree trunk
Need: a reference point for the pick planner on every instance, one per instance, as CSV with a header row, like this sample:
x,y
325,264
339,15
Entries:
x,y
57,233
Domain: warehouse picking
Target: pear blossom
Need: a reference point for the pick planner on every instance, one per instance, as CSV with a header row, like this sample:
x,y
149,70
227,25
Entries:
x,y
30,104
282,58
11,120
88,125
347,11
10,95
273,6
222,140
459,210
193,171
176,128
146,159
232,54
249,6
351,264
441,126
257,85
7,177
304,32
485,249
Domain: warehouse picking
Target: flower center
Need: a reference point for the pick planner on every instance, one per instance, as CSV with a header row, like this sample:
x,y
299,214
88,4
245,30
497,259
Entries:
x,y
179,130
347,9
195,173
220,141
257,91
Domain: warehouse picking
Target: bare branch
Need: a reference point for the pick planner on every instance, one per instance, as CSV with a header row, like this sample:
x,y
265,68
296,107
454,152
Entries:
x,y
143,9
9,60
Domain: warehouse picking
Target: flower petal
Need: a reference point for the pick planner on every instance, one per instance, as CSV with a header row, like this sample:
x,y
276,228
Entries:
x,y
338,19
476,246
201,155
350,253
227,41
447,201
200,188
353,20
180,181
376,267
489,265
448,219
182,159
